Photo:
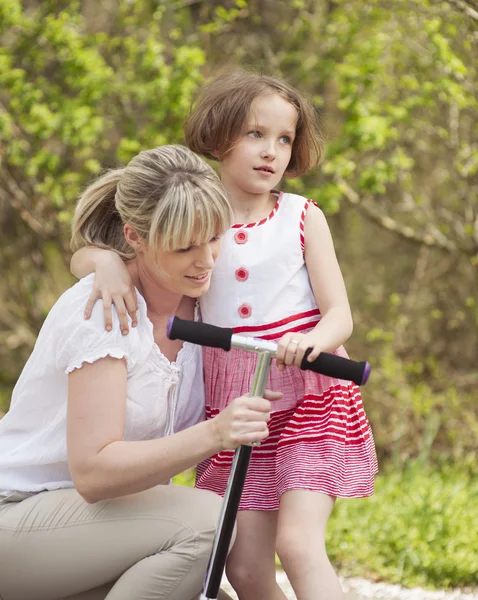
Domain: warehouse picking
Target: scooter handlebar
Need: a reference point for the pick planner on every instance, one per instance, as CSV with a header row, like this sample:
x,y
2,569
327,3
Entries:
x,y
220,337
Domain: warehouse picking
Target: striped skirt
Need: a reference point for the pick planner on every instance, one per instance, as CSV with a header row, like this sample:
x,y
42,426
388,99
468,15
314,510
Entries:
x,y
319,436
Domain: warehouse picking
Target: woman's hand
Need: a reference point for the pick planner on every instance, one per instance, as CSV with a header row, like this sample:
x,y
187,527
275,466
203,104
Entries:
x,y
244,420
292,347
114,285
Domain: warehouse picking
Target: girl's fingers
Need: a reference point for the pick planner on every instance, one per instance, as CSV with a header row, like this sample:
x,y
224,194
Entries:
x,y
107,314
299,356
94,296
281,348
314,354
122,314
291,352
131,307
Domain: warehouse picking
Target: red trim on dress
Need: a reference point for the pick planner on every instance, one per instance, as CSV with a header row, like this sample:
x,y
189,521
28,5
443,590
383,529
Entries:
x,y
262,221
273,336
251,328
302,224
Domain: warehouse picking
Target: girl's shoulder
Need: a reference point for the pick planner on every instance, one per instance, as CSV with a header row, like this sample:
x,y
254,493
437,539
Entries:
x,y
294,207
295,202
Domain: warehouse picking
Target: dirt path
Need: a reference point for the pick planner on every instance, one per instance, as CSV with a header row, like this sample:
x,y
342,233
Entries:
x,y
360,589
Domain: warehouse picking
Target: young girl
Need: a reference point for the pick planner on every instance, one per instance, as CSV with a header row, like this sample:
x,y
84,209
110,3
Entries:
x,y
277,278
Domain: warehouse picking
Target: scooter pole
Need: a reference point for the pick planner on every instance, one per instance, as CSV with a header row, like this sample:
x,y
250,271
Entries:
x,y
232,496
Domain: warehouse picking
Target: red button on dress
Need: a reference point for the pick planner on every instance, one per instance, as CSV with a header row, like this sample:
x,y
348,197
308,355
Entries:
x,y
244,311
240,237
242,274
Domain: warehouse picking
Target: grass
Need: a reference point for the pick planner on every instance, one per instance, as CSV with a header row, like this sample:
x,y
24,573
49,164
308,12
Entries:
x,y
420,528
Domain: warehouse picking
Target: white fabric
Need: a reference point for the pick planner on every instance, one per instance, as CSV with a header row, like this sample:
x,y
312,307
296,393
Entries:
x,y
162,397
278,284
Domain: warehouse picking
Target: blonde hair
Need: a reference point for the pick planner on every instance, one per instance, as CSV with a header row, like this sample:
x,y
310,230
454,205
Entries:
x,y
217,121
169,195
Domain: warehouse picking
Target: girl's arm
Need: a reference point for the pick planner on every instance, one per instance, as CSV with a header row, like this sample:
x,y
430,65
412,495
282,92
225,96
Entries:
x,y
335,325
112,283
103,466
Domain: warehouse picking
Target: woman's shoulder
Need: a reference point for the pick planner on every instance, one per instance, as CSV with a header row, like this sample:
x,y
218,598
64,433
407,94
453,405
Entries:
x,y
72,304
77,336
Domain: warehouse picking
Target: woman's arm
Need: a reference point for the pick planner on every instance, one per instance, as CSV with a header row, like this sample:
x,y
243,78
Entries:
x,y
335,325
102,465
112,283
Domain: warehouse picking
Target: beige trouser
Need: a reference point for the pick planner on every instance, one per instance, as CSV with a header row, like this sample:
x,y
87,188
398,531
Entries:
x,y
149,546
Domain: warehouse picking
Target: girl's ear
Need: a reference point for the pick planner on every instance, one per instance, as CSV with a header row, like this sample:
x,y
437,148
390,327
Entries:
x,y
134,240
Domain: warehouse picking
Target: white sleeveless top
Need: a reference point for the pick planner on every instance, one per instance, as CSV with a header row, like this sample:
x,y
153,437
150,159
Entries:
x,y
162,396
260,285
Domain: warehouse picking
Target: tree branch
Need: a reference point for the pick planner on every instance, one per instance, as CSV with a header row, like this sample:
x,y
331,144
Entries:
x,y
469,7
25,214
437,239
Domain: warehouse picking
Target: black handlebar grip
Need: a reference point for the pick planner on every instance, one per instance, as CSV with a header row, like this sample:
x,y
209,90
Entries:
x,y
220,337
199,333
337,366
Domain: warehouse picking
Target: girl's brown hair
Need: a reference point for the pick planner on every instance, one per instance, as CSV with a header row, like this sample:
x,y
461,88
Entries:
x,y
217,121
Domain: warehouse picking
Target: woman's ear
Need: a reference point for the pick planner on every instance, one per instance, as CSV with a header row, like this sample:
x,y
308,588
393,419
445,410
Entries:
x,y
134,240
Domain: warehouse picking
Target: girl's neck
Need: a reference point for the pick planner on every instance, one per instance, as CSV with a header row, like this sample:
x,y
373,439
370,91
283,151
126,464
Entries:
x,y
159,301
250,208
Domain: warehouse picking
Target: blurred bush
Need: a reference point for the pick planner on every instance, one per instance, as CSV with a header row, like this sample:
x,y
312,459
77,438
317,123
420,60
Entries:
x,y
84,86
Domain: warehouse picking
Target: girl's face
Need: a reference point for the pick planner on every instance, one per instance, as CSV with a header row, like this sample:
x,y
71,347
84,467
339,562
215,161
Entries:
x,y
257,161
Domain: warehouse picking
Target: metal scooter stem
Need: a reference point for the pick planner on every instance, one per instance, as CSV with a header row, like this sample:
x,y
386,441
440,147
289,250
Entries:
x,y
232,496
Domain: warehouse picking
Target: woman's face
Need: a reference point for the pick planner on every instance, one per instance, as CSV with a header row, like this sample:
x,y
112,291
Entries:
x,y
186,271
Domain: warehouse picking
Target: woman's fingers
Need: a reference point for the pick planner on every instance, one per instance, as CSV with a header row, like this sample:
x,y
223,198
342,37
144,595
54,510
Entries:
x,y
255,432
271,395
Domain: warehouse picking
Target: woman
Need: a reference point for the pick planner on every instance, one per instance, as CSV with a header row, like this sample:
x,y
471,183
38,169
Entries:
x,y
98,419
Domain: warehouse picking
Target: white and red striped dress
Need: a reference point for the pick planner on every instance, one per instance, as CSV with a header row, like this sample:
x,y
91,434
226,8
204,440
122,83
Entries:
x,y
320,438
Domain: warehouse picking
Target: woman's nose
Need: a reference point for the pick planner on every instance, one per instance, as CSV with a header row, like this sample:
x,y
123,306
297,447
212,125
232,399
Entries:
x,y
206,256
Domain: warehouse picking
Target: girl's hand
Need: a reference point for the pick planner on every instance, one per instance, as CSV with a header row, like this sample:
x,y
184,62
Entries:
x,y
244,420
292,347
114,285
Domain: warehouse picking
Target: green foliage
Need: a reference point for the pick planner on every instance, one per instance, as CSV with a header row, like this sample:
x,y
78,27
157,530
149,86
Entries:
x,y
81,99
418,529
186,478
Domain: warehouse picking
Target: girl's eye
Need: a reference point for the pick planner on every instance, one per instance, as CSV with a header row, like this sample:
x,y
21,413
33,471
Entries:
x,y
254,134
216,238
285,139
184,250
